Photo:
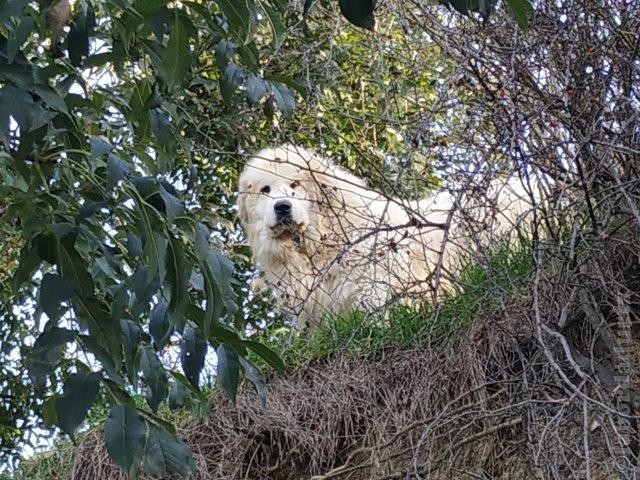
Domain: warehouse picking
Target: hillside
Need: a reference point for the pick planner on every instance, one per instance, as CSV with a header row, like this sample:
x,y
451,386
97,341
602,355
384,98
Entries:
x,y
488,385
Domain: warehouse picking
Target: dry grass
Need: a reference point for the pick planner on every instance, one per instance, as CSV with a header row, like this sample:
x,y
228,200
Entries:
x,y
491,404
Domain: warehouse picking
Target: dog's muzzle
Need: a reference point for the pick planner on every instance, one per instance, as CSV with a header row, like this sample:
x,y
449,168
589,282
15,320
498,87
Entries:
x,y
282,210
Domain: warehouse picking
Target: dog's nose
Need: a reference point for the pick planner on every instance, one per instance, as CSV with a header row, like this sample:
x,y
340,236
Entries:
x,y
282,209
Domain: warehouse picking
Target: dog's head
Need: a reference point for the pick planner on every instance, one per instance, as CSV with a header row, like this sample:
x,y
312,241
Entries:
x,y
291,198
278,197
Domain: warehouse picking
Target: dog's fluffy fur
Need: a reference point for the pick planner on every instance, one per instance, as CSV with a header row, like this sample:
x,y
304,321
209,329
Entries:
x,y
346,246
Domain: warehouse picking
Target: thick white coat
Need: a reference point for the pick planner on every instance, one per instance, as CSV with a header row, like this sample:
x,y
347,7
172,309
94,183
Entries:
x,y
349,246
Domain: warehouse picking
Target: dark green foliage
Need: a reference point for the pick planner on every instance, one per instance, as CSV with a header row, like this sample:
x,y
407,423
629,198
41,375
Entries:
x,y
88,174
193,352
359,12
124,433
80,391
228,369
166,454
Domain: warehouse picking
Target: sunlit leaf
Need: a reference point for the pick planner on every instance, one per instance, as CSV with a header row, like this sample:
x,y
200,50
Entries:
x,y
176,58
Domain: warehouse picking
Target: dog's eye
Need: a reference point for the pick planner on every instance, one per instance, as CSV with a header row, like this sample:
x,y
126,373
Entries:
x,y
295,185
266,189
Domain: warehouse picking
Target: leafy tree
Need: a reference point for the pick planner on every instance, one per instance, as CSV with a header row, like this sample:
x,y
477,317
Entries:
x,y
121,125
110,255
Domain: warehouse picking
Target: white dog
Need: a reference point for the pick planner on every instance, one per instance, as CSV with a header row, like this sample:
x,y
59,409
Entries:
x,y
327,243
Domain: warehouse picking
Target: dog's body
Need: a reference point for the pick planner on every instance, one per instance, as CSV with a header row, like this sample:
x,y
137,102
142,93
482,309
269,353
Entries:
x,y
327,243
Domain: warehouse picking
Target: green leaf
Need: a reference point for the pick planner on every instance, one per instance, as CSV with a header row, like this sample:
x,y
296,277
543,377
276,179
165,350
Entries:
x,y
522,11
256,377
359,12
29,260
173,206
124,435
17,104
214,303
224,51
176,58
239,14
92,345
222,270
139,103
284,99
118,394
257,88
46,353
178,396
154,377
134,244
84,21
18,37
155,244
131,336
232,77
146,8
276,22
80,391
228,370
102,328
49,416
51,98
160,124
195,393
117,170
267,354
159,325
11,8
218,331
178,274
144,286
72,266
165,454
90,209
202,240
54,290
99,146
193,353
